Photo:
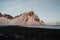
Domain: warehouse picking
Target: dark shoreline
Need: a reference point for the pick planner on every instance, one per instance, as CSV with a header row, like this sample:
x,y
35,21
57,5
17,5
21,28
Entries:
x,y
33,26
28,33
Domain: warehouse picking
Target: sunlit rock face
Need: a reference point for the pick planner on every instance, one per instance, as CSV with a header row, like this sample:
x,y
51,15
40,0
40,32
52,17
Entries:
x,y
26,18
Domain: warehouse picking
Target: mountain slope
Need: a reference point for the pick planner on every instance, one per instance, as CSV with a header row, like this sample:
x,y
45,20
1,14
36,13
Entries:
x,y
27,18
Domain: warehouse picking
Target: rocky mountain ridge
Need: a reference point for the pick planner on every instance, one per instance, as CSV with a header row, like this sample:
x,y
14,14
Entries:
x,y
27,18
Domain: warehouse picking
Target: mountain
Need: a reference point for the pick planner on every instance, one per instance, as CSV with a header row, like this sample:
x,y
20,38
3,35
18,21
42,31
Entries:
x,y
26,18
6,16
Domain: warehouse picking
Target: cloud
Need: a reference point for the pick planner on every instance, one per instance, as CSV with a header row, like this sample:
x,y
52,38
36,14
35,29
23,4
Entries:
x,y
7,3
17,6
11,2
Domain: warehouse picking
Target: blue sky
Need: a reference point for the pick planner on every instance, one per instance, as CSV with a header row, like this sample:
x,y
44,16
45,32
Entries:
x,y
47,10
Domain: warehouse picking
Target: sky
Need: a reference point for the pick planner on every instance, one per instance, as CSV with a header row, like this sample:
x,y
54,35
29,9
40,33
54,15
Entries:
x,y
47,10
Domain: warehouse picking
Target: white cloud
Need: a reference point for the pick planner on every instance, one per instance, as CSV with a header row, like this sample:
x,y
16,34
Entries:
x,y
15,8
10,2
18,6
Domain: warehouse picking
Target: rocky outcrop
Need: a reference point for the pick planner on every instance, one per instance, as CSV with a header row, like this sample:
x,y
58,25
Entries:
x,y
27,18
0,15
7,16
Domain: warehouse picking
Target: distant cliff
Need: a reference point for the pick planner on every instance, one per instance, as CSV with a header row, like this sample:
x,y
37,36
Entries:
x,y
26,18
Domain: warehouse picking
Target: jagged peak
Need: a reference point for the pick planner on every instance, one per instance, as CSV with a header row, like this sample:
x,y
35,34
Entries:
x,y
28,13
6,16
29,18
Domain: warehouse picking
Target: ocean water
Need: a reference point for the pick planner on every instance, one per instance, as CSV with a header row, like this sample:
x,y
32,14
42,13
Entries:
x,y
47,26
41,26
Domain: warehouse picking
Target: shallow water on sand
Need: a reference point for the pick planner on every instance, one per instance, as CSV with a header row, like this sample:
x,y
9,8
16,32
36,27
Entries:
x,y
47,26
42,26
